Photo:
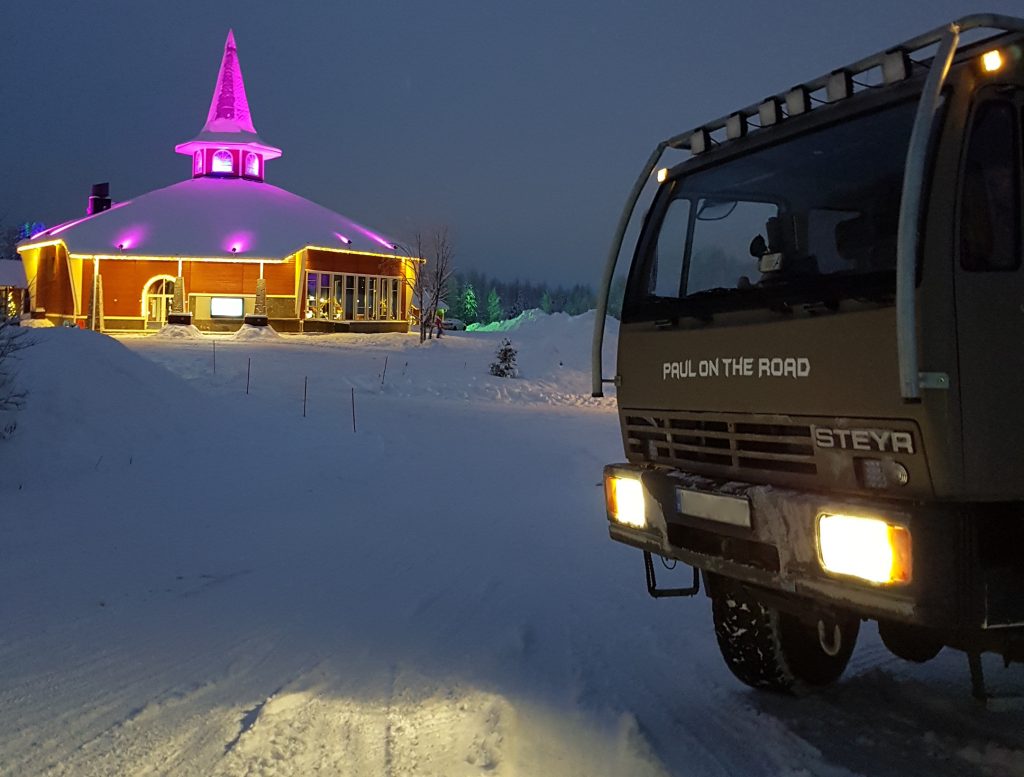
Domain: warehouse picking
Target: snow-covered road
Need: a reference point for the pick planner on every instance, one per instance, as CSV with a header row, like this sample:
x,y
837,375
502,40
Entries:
x,y
196,581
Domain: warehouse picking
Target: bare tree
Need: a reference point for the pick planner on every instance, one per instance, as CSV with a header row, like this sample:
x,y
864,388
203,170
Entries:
x,y
430,284
12,340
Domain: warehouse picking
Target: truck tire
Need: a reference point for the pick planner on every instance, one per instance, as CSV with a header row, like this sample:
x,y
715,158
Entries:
x,y
773,650
908,642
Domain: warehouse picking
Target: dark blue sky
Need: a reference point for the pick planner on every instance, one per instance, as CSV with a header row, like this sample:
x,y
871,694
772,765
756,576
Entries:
x,y
521,125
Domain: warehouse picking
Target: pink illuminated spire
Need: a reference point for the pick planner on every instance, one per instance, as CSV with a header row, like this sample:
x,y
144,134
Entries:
x,y
229,110
228,144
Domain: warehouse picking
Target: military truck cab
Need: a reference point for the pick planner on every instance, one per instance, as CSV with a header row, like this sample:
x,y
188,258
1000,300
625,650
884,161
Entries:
x,y
820,372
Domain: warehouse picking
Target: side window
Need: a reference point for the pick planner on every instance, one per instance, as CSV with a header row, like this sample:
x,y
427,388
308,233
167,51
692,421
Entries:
x,y
722,234
666,271
990,197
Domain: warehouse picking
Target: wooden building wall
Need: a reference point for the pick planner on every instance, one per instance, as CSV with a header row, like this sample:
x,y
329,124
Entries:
x,y
50,281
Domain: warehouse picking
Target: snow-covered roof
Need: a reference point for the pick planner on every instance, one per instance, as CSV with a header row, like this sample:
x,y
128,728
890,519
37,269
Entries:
x,y
12,273
207,217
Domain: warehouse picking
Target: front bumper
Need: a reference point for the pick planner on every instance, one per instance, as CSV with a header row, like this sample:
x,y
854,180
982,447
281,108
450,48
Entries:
x,y
778,551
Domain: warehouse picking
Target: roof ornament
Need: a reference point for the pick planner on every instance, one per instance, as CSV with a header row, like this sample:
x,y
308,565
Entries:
x,y
229,109
229,125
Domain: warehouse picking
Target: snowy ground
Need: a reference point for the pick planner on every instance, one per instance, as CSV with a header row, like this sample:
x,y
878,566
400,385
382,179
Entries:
x,y
196,581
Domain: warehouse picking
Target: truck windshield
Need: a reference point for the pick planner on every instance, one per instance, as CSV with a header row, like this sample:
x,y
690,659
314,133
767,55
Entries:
x,y
810,219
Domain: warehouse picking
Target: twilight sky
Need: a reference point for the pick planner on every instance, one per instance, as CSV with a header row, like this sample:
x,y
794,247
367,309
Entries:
x,y
520,125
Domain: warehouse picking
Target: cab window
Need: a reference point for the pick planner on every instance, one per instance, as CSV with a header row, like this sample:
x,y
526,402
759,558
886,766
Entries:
x,y
990,195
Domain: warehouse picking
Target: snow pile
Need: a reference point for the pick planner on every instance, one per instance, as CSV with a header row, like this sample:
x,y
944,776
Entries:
x,y
90,399
513,323
250,332
179,331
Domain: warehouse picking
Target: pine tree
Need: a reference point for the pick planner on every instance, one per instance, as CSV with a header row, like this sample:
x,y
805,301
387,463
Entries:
x,y
505,366
615,297
493,306
469,306
546,303
517,306
454,300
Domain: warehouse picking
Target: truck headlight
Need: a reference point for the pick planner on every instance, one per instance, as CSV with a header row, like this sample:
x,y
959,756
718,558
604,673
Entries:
x,y
868,548
625,500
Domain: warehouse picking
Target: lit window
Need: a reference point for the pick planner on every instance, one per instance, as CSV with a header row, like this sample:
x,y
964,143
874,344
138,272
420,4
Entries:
x,y
252,165
223,162
197,163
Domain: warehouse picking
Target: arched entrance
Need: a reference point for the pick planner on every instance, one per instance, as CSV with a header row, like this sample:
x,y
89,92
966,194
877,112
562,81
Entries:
x,y
157,300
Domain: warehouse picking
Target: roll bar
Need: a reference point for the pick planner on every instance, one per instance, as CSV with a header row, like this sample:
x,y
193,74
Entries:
x,y
908,235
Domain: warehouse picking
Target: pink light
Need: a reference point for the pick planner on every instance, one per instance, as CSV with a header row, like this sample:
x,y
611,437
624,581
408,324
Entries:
x,y
131,238
68,225
343,239
375,237
238,242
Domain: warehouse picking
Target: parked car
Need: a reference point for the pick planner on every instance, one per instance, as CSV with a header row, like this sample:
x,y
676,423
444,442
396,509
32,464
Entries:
x,y
454,324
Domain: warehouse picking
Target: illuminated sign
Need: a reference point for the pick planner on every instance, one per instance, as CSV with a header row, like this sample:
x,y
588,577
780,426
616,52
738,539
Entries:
x,y
226,307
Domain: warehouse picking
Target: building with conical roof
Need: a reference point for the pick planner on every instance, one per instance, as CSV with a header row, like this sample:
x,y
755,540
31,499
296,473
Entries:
x,y
221,248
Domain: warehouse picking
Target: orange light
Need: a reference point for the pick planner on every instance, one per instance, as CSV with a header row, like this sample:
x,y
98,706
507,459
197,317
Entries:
x,y
868,548
624,498
991,61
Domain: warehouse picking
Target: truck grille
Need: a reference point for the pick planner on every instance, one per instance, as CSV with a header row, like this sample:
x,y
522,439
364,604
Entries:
x,y
720,445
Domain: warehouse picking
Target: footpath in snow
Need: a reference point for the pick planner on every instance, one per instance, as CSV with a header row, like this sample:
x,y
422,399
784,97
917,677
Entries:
x,y
199,581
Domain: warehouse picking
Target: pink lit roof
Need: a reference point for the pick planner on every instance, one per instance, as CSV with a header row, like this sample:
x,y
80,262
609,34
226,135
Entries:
x,y
207,217
229,120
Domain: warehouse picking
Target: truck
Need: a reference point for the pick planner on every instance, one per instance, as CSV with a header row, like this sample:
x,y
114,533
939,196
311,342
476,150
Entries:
x,y
820,362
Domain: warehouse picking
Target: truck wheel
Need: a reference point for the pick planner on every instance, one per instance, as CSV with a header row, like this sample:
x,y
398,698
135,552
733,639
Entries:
x,y
769,649
909,643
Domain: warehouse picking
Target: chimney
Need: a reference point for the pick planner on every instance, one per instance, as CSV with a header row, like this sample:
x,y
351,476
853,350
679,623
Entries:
x,y
99,200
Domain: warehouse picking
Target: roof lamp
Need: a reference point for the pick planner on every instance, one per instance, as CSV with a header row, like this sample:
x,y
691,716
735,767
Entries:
x,y
343,239
700,141
736,126
768,112
663,175
868,548
895,66
839,86
798,101
991,61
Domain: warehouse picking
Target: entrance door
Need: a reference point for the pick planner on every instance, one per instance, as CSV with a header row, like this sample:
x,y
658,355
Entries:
x,y
990,293
158,300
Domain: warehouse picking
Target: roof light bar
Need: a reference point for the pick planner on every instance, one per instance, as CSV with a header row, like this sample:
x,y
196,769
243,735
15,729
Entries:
x,y
991,61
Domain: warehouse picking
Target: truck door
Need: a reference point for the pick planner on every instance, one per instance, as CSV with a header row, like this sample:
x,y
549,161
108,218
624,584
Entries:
x,y
989,284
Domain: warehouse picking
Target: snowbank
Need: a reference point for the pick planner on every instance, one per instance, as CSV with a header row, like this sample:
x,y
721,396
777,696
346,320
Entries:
x,y
250,332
